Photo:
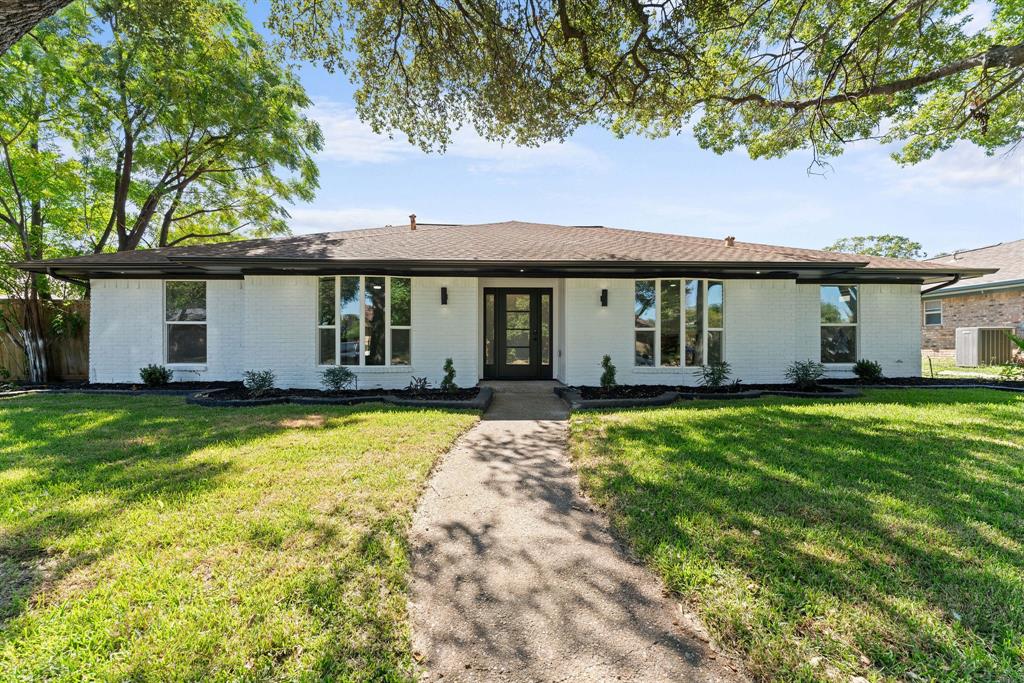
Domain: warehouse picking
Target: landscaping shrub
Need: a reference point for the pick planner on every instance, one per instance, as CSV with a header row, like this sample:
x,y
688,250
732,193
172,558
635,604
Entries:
x,y
418,384
155,375
338,378
1015,368
259,382
5,376
608,376
805,374
448,384
714,374
868,370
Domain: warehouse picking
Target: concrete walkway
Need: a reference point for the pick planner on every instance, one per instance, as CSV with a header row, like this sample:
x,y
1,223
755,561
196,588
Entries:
x,y
515,578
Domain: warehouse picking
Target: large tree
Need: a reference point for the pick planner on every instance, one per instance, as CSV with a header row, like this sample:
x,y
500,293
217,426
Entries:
x,y
890,246
768,75
126,124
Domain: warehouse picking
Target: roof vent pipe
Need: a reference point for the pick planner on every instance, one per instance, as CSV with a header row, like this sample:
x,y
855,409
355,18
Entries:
x,y
730,241
412,221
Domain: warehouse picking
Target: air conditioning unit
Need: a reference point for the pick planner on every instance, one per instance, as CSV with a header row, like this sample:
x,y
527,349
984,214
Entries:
x,y
983,346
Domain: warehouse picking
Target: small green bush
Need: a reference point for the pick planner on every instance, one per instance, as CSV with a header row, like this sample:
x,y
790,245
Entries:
x,y
805,374
337,378
448,384
259,382
418,384
714,374
155,375
608,376
1014,369
5,376
868,370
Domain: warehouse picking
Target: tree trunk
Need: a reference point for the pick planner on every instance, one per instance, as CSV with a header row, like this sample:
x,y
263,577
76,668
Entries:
x,y
18,17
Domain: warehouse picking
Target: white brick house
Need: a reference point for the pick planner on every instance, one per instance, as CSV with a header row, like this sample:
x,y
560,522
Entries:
x,y
503,300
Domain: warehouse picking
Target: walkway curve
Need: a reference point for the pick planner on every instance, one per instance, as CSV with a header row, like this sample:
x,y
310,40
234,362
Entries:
x,y
516,578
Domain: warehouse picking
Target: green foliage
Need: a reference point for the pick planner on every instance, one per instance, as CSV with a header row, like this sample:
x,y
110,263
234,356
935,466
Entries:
x,y
890,246
608,372
769,78
418,384
155,375
448,383
337,378
805,374
1014,369
828,540
868,370
5,376
259,382
714,374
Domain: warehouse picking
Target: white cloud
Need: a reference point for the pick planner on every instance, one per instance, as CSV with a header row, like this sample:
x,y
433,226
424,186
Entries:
x,y
307,220
347,139
960,169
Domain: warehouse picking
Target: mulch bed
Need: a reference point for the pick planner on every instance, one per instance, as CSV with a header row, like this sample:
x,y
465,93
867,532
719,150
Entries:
x,y
240,393
100,386
631,391
932,381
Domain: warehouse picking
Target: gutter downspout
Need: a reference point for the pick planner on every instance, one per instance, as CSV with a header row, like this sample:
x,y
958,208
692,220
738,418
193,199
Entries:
x,y
956,279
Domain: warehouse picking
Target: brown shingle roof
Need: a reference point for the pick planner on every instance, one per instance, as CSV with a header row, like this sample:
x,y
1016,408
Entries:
x,y
510,242
1008,257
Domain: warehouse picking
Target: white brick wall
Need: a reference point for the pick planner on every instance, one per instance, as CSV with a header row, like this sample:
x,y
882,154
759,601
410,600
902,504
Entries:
x,y
268,322
768,325
126,330
281,327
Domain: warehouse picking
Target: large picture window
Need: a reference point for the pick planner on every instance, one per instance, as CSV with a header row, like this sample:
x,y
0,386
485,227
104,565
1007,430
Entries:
x,y
364,320
678,323
185,321
838,324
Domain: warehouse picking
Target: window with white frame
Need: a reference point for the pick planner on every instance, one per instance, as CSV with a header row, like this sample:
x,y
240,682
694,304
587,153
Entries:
x,y
838,323
933,312
185,321
678,323
364,320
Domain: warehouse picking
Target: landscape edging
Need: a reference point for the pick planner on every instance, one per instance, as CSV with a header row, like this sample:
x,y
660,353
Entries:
x,y
576,402
479,402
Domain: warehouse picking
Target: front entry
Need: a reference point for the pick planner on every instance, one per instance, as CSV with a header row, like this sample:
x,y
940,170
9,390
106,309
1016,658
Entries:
x,y
517,333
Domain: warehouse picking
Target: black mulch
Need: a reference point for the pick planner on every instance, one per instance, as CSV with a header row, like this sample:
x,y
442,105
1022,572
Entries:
x,y
652,390
932,381
240,393
111,386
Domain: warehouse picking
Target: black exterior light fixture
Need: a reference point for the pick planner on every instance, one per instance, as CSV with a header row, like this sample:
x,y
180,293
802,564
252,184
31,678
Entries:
x,y
604,297
444,296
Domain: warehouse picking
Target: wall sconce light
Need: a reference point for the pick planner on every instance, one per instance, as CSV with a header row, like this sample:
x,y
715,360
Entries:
x,y
604,297
444,296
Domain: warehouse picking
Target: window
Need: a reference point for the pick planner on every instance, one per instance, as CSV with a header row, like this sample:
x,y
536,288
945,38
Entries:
x,y
838,324
933,312
185,320
364,320
678,323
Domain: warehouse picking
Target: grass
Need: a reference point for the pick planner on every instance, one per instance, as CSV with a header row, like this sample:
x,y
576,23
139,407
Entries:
x,y
881,537
145,539
945,366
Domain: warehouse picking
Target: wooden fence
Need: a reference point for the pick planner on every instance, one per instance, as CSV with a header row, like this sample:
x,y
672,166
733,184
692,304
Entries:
x,y
67,355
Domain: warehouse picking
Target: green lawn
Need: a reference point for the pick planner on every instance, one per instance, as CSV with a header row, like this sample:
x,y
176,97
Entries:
x,y
146,539
946,367
882,537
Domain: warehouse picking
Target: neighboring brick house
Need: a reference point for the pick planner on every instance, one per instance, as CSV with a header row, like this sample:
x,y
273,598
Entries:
x,y
990,300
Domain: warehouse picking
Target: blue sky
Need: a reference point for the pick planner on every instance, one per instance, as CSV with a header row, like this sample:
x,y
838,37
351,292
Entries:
x,y
960,199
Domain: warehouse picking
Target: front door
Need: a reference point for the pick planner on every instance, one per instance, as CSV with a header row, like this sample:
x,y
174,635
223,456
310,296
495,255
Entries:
x,y
517,333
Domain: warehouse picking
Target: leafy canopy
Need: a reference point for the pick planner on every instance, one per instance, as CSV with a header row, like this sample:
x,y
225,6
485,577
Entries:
x,y
891,246
770,77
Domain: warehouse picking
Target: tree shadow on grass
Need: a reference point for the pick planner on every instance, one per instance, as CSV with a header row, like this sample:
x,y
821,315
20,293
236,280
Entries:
x,y
911,527
72,464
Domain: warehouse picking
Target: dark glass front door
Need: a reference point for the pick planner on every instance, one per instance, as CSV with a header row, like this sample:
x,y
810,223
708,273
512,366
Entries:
x,y
517,333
